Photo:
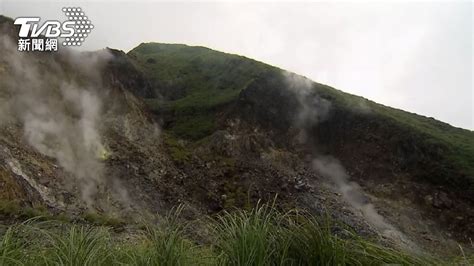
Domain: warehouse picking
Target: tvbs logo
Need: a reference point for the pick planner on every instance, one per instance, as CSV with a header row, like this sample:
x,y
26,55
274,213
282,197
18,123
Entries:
x,y
36,37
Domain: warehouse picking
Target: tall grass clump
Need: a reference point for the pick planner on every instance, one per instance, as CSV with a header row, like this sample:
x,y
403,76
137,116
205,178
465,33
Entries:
x,y
11,248
265,236
312,241
164,244
247,237
365,252
321,241
78,246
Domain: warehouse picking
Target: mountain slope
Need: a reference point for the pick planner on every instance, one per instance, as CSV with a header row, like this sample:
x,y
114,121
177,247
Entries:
x,y
199,79
382,148
135,134
194,82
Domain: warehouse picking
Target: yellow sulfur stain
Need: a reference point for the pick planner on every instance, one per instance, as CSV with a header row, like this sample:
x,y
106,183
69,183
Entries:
x,y
104,154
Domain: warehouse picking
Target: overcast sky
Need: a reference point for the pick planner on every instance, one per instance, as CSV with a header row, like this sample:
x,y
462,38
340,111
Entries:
x,y
413,56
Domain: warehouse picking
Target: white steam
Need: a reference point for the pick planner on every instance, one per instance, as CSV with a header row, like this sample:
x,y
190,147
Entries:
x,y
331,168
73,141
312,110
60,117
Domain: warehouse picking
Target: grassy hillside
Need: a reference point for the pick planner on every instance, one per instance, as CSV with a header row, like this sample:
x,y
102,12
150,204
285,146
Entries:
x,y
453,148
196,81
457,143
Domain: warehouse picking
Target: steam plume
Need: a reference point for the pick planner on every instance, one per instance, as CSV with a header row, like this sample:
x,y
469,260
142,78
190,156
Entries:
x,y
60,117
312,110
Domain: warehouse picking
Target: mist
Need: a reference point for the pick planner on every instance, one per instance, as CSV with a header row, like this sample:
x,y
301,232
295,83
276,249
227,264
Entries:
x,y
311,110
60,115
352,193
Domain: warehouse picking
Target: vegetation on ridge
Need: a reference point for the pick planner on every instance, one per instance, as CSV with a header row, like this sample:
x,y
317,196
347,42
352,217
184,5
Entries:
x,y
196,82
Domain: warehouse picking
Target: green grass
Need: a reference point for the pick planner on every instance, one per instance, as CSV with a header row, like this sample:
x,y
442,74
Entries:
x,y
15,209
80,245
264,236
458,143
258,236
103,219
247,238
199,72
177,150
11,248
451,147
165,244
194,127
195,82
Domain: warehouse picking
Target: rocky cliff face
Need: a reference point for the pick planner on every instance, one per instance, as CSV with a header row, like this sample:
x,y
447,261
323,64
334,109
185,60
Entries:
x,y
64,119
395,166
